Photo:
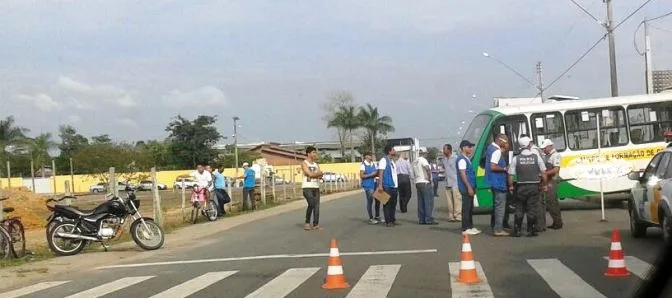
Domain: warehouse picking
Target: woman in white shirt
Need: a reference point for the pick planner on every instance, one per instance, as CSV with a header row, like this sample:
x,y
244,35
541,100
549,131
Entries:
x,y
311,188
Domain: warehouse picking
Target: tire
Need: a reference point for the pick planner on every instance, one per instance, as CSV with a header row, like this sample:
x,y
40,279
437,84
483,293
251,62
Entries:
x,y
79,244
665,225
637,228
138,226
340,180
5,248
16,232
211,211
195,212
96,190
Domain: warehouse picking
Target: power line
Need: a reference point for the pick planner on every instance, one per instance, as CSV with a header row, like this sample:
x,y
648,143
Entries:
x,y
632,14
660,17
661,29
584,10
577,61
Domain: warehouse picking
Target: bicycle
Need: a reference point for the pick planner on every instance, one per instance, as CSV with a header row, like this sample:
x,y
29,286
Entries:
x,y
13,228
200,205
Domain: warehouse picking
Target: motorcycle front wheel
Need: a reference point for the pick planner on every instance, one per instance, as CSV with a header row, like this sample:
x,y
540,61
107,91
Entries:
x,y
65,246
149,236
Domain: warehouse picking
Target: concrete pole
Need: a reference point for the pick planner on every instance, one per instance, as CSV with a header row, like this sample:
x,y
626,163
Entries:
x,y
612,49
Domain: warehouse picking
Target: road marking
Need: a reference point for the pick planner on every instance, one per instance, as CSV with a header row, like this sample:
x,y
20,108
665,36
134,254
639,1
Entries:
x,y
268,257
481,289
376,282
284,284
110,287
637,266
32,289
563,280
194,285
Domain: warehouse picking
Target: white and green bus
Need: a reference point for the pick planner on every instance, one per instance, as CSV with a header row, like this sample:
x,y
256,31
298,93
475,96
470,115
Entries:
x,y
631,130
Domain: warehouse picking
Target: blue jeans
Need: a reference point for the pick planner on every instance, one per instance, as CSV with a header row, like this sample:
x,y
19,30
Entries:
x,y
499,208
369,203
425,202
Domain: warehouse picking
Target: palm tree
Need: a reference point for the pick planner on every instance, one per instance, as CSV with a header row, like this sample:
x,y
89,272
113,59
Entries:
x,y
10,134
375,124
39,149
347,121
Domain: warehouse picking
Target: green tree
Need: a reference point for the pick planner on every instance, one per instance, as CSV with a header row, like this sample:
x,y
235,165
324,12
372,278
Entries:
x,y
226,157
39,149
191,141
101,139
71,141
347,120
433,153
159,152
333,117
128,161
375,124
10,135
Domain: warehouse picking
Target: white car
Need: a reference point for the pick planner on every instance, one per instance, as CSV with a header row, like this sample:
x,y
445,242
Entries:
x,y
333,177
147,185
188,183
649,204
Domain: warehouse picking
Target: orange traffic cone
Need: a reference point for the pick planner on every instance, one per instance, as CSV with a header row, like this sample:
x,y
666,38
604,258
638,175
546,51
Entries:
x,y
335,278
468,273
616,266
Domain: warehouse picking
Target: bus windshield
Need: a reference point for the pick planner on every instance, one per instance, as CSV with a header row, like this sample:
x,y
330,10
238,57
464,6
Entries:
x,y
476,128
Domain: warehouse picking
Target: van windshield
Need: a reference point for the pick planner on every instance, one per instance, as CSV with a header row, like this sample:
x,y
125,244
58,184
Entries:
x,y
476,128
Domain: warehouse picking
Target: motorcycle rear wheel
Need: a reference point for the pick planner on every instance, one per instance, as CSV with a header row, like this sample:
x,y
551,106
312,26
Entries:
x,y
66,227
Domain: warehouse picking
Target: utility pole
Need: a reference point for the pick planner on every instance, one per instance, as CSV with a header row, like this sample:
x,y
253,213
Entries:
x,y
612,49
647,58
235,140
540,81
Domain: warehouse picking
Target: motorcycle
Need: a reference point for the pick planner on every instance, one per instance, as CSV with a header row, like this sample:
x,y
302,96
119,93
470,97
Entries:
x,y
70,229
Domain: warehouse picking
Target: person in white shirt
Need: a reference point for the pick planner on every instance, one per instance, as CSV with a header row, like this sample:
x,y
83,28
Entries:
x,y
203,180
387,174
423,185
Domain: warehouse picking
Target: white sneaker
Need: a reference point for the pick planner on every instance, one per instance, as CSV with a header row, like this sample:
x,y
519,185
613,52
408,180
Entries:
x,y
471,232
477,230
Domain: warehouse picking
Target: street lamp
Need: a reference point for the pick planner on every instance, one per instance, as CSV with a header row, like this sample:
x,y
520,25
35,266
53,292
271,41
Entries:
x,y
235,140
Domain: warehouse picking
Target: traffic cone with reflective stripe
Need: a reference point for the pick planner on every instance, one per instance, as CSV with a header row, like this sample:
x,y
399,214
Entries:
x,y
616,267
468,273
335,277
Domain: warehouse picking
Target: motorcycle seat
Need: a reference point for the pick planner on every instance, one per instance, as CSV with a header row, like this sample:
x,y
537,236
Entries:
x,y
75,210
8,210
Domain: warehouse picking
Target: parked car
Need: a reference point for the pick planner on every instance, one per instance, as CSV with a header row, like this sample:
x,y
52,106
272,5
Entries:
x,y
333,177
188,183
649,204
100,187
147,185
280,180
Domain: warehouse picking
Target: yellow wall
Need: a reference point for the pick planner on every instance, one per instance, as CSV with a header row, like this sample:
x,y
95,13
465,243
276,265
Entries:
x,y
82,182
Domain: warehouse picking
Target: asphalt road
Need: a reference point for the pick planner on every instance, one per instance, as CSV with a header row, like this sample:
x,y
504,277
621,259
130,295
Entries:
x,y
405,261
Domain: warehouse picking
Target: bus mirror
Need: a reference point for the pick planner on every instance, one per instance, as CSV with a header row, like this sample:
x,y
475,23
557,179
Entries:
x,y
634,176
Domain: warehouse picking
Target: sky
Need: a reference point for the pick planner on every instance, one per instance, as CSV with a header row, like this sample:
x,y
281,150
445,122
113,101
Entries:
x,y
126,68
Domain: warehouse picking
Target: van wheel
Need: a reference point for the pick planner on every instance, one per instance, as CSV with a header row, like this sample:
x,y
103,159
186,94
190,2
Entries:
x,y
637,228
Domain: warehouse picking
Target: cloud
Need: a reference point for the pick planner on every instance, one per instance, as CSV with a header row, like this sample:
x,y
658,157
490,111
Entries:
x,y
41,101
74,119
84,95
127,122
207,95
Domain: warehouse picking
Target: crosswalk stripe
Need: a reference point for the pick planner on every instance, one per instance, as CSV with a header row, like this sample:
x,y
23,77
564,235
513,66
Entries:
x,y
195,284
284,284
32,289
110,287
563,280
637,266
376,282
481,289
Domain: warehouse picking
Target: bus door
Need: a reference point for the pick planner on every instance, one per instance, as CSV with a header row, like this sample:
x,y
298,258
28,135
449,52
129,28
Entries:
x,y
513,127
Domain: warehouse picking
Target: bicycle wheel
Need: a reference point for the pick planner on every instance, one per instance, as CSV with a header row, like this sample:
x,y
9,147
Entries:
x,y
5,250
18,237
211,211
195,212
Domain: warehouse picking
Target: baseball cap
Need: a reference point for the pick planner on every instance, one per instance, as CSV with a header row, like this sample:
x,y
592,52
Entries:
x,y
466,143
546,143
245,164
524,142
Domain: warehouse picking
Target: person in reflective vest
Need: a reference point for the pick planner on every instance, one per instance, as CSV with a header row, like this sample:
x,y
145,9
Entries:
x,y
387,175
466,183
368,173
552,162
530,170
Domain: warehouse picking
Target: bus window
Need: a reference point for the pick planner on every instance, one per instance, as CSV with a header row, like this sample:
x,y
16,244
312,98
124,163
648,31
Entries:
x,y
549,126
648,122
476,128
513,126
582,128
